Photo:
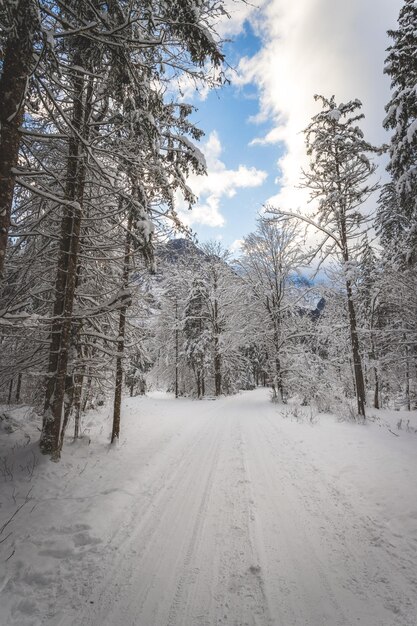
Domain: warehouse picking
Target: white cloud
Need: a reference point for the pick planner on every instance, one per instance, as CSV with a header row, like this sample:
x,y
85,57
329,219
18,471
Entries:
x,y
317,46
238,12
219,183
236,246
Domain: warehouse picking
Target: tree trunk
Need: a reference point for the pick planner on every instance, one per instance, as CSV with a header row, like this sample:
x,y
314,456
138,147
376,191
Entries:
x,y
356,355
68,402
372,357
65,283
115,433
18,388
357,361
198,381
176,347
407,377
376,391
87,394
16,69
121,338
217,368
77,404
278,386
217,355
9,398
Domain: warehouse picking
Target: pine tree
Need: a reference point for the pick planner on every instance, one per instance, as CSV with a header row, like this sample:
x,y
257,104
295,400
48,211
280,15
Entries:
x,y
21,21
398,216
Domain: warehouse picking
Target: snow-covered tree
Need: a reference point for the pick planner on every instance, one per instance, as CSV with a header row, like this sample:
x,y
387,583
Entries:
x,y
368,303
196,331
339,180
95,138
271,256
398,207
200,333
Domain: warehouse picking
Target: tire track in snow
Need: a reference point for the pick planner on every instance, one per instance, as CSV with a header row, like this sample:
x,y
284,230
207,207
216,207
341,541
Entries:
x,y
292,559
177,607
233,525
142,528
359,570
374,552
239,592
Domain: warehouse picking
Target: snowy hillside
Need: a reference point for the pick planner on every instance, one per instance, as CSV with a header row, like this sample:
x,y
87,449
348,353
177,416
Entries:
x,y
235,511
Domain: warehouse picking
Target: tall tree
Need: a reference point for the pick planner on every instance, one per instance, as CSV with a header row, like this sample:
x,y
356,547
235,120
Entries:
x,y
339,181
398,206
20,21
135,109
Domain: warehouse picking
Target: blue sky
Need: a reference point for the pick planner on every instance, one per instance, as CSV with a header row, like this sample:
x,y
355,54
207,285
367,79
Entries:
x,y
282,54
228,113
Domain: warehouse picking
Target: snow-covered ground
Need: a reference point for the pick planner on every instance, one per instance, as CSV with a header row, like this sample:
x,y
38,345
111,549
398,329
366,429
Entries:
x,y
229,512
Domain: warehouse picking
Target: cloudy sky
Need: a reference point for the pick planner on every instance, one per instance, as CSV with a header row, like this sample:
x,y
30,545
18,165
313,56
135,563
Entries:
x,y
282,53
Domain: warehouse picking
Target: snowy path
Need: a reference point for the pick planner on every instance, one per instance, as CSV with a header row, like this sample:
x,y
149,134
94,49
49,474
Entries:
x,y
218,514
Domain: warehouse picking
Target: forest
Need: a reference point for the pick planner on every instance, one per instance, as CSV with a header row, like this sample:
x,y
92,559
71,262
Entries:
x,y
104,291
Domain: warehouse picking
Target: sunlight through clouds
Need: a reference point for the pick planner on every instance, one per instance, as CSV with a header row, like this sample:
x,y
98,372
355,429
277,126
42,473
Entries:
x,y
309,47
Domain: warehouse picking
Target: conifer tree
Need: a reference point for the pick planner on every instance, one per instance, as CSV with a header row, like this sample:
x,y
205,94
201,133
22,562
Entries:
x,y
398,207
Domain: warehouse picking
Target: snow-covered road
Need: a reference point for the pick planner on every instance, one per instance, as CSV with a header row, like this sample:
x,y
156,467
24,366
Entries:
x,y
224,513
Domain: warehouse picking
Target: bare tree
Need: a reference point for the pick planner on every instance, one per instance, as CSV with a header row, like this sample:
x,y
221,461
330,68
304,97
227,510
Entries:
x,y
270,256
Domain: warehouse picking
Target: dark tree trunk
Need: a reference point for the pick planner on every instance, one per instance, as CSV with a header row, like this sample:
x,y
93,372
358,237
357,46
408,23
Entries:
x,y
65,282
278,375
176,347
119,376
356,355
17,61
357,361
68,402
217,368
376,390
77,404
18,388
9,397
198,381
121,337
217,355
407,377
278,386
372,357
72,380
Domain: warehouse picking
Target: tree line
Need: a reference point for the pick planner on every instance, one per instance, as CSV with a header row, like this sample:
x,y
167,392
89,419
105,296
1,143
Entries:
x,y
95,142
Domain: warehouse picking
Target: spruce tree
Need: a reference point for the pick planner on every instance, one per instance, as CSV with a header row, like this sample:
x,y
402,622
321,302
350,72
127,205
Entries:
x,y
398,206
